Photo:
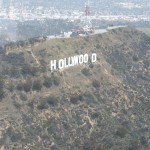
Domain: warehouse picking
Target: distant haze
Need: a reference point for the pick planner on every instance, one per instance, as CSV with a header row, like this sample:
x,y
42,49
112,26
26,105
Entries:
x,y
113,7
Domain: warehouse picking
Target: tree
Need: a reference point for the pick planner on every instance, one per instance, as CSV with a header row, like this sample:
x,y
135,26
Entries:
x,y
1,89
96,83
48,82
27,85
37,85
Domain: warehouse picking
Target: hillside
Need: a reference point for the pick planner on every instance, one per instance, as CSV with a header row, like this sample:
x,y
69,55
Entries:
x,y
145,30
95,106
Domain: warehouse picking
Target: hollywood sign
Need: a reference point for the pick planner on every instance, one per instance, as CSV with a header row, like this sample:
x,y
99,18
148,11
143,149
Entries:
x,y
72,61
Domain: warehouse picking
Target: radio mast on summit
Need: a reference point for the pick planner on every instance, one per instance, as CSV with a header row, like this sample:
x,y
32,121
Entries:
x,y
88,27
85,25
21,18
87,11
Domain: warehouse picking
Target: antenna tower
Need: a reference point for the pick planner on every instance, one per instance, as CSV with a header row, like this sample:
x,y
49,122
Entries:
x,y
87,26
21,18
87,12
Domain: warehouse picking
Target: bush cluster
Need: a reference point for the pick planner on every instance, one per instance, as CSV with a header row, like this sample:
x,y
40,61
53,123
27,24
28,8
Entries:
x,y
27,69
37,85
1,89
86,71
26,85
49,81
96,83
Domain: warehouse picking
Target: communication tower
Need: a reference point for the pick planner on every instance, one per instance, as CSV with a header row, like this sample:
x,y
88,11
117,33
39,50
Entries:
x,y
87,12
21,11
87,25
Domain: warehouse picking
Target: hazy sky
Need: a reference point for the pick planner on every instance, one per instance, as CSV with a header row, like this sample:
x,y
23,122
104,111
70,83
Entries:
x,y
102,6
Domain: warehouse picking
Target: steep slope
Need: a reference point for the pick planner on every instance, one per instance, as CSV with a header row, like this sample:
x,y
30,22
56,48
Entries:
x,y
145,30
99,106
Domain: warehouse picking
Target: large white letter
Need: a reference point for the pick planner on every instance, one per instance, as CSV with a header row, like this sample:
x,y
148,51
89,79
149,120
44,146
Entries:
x,y
94,57
53,65
81,59
86,58
74,60
61,64
65,63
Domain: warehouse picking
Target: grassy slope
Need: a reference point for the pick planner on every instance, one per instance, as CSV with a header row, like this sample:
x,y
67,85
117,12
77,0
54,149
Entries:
x,y
145,30
83,116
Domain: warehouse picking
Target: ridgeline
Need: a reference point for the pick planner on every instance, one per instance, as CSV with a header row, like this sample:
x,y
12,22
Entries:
x,y
94,106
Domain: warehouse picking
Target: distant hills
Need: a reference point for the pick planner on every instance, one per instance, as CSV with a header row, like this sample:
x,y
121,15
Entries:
x,y
100,106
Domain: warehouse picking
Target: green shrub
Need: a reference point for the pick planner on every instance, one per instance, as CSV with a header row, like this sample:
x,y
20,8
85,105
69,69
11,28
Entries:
x,y
30,104
48,82
2,50
15,59
35,70
96,83
42,106
19,86
98,46
86,72
88,97
91,65
134,145
135,58
55,80
14,71
146,63
82,47
143,140
17,105
121,132
51,101
27,85
143,130
58,47
37,85
75,98
16,137
1,89
23,97
26,69
92,144
11,87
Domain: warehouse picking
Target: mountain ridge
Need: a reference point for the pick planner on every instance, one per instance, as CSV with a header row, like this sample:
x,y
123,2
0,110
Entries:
x,y
97,106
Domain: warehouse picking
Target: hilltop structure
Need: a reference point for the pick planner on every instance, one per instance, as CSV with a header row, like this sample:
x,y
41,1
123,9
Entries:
x,y
86,26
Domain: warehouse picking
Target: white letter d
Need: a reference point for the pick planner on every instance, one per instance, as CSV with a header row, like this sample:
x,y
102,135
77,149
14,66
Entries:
x,y
94,57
